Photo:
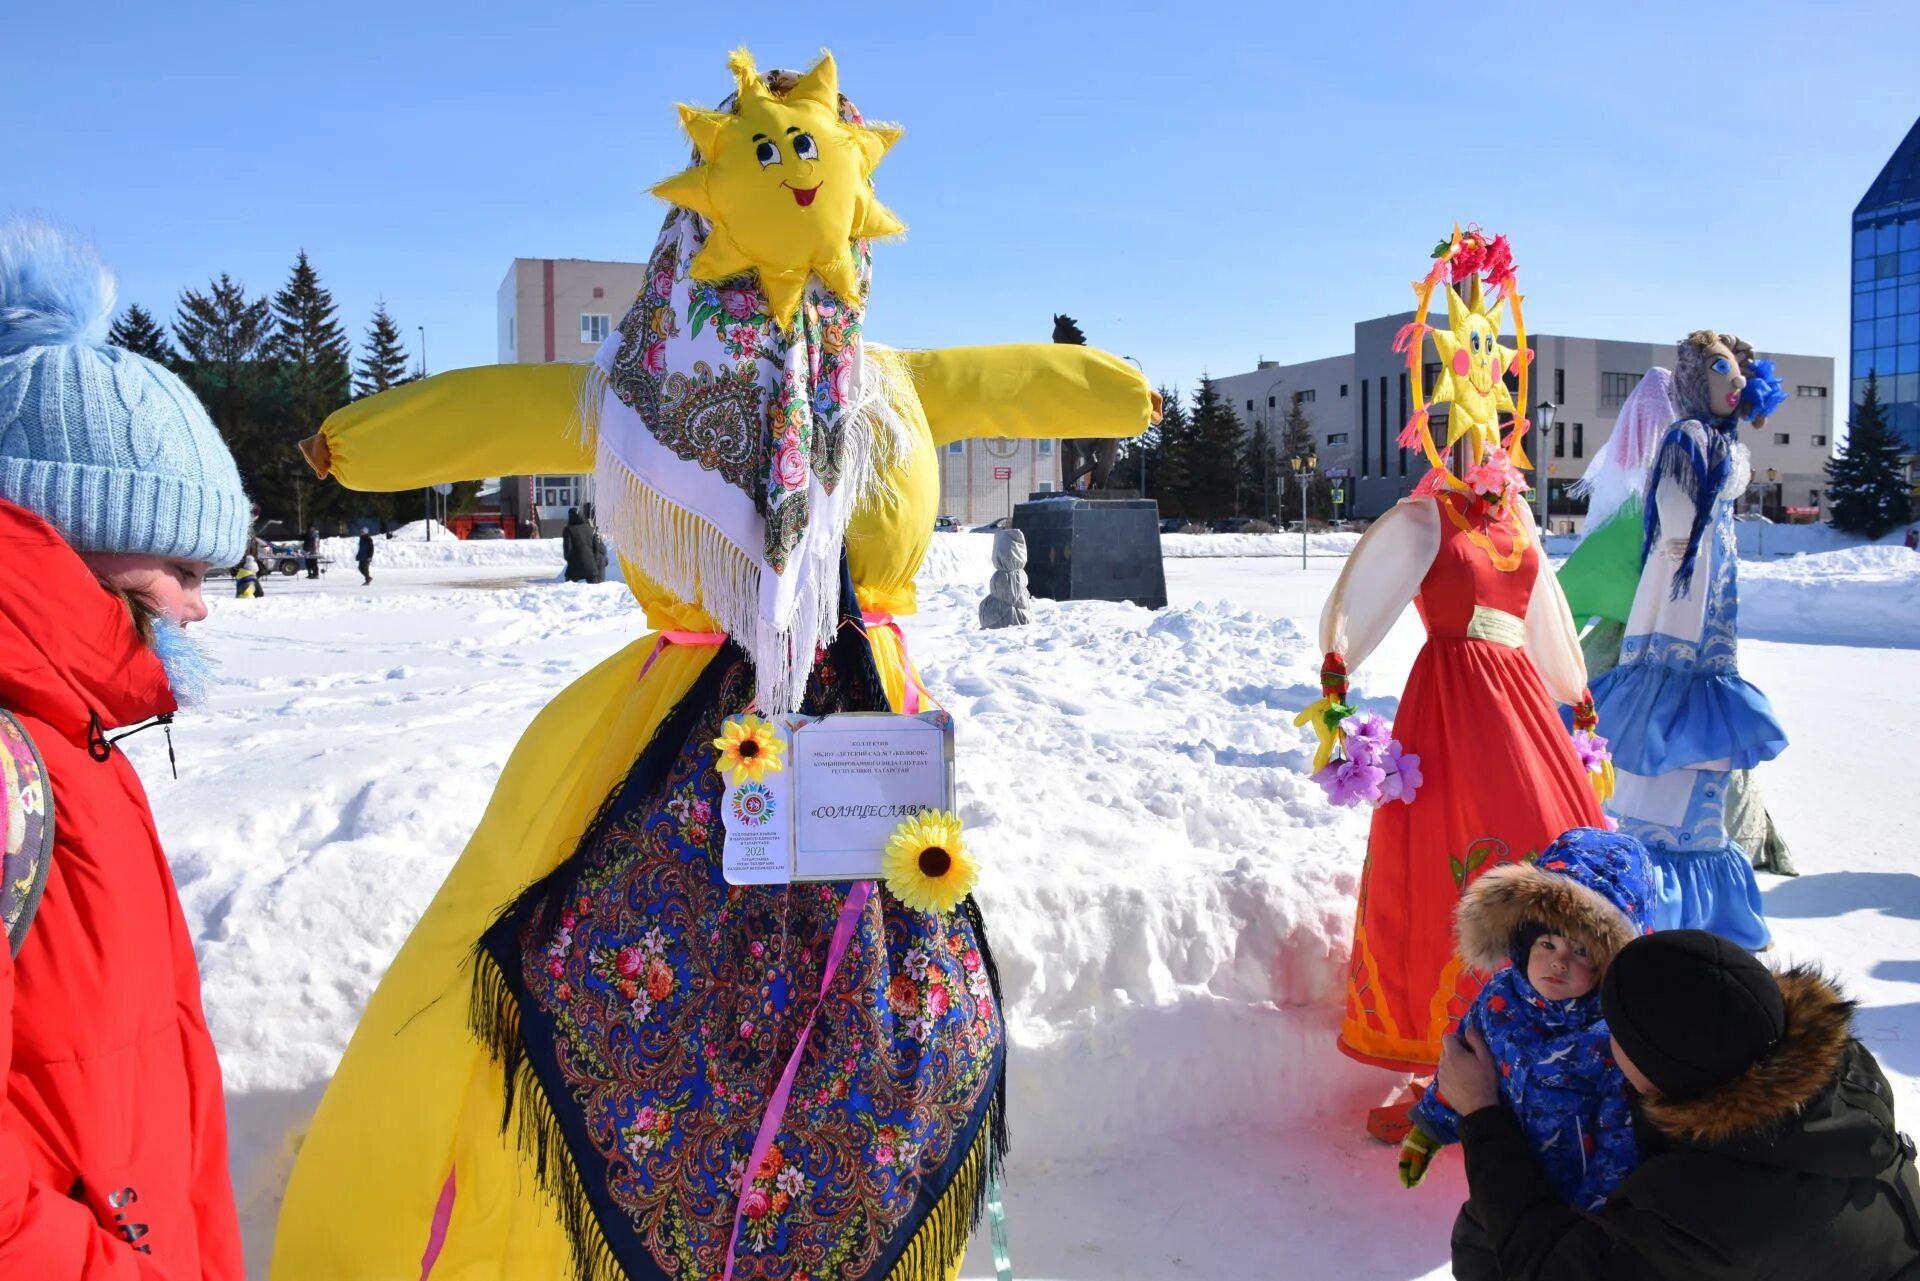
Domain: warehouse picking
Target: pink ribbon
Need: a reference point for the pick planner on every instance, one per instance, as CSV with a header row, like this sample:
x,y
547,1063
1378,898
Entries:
x,y
437,1233
909,678
776,1112
679,638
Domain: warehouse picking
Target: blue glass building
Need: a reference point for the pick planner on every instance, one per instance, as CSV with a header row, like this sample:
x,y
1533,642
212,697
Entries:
x,y
1886,289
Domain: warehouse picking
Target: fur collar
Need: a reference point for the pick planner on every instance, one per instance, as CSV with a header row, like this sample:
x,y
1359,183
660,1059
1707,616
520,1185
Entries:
x,y
1819,1025
1497,904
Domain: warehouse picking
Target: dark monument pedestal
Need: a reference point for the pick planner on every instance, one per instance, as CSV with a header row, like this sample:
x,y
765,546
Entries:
x,y
1093,547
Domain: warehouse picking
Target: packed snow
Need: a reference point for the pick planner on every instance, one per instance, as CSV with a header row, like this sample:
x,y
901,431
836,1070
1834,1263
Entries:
x,y
1169,896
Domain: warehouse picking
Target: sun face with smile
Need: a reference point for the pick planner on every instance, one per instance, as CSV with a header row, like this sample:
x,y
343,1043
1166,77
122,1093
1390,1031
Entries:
x,y
1473,365
786,183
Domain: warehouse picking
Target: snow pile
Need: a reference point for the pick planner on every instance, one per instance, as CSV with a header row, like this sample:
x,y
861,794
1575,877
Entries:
x,y
1866,595
397,553
1179,546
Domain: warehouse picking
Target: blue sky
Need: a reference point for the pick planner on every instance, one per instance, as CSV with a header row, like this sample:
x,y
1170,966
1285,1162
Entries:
x,y
1201,184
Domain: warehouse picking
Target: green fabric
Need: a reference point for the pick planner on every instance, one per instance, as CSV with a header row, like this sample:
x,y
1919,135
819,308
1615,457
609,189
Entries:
x,y
1602,575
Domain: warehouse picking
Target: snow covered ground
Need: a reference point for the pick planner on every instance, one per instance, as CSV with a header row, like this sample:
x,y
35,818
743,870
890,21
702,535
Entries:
x,y
1169,897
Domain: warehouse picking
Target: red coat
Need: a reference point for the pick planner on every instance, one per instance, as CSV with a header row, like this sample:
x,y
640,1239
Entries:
x,y
113,1136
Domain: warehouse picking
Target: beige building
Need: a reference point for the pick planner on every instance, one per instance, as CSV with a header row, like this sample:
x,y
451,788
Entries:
x,y
982,480
1358,403
558,309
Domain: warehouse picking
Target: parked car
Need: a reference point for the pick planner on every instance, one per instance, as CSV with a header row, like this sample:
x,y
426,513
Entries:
x,y
485,531
1231,524
945,525
990,526
1172,524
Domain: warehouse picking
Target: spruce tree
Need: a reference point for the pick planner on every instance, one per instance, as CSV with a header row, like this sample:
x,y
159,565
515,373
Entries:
x,y
1262,472
1866,482
383,359
1297,441
1217,459
1167,447
222,335
311,346
137,332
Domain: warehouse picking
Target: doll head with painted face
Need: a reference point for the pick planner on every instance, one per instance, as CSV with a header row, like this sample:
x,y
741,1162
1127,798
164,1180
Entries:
x,y
1711,371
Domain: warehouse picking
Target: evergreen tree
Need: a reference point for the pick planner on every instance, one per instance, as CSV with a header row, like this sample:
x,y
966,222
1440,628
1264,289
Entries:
x,y
383,360
1866,482
1262,472
1216,461
223,335
136,331
1165,447
311,346
1297,441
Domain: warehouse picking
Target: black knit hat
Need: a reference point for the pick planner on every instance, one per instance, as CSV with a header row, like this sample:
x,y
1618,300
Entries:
x,y
1691,1010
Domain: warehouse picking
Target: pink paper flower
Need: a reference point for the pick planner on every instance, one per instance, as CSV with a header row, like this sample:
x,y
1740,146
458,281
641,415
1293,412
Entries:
x,y
1592,750
1367,736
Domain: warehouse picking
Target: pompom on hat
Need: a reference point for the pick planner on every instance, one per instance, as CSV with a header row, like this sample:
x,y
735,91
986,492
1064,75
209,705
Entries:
x,y
110,448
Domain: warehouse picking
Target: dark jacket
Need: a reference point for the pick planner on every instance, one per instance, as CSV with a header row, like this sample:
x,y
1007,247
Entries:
x,y
310,542
113,1134
580,543
364,553
1793,1170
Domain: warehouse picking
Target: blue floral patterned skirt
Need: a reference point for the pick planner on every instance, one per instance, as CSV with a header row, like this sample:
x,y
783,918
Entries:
x,y
643,1009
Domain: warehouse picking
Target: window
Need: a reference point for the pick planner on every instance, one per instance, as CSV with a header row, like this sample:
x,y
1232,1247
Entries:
x,y
1270,401
1813,498
1343,391
1403,418
1820,442
1559,440
1046,487
593,329
1818,393
1046,448
1559,386
599,291
1383,424
1249,406
1366,437
1337,438
1306,397
1579,440
1615,388
957,447
1782,438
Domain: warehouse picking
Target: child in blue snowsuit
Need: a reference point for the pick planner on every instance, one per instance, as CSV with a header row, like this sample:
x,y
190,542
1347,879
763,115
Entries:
x,y
1550,927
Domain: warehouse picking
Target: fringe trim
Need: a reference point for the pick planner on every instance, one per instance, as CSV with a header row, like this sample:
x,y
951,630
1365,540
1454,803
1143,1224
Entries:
x,y
1701,478
937,1244
495,1017
689,557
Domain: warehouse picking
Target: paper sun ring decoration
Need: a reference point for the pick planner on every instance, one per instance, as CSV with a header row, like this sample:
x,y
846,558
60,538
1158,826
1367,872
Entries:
x,y
749,749
927,865
1470,350
786,184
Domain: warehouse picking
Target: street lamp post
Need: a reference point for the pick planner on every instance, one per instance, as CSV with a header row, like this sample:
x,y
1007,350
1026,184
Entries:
x,y
1273,447
1303,470
1544,413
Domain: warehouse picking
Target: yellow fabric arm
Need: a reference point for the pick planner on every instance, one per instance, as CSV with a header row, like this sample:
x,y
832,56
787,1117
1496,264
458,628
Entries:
x,y
491,420
1029,391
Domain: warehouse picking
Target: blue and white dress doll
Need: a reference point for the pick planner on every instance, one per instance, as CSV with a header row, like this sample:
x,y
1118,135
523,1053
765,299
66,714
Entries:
x,y
1681,718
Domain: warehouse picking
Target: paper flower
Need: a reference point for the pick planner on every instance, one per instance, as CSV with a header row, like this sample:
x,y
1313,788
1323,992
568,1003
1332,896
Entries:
x,y
1350,783
927,865
1367,737
1495,478
1403,775
1592,750
1763,393
749,749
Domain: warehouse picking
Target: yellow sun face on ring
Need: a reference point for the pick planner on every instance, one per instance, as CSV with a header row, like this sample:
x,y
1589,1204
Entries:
x,y
1473,365
927,865
787,185
749,749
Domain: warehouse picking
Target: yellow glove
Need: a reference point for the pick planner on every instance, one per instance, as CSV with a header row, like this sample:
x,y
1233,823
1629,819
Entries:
x,y
1416,1154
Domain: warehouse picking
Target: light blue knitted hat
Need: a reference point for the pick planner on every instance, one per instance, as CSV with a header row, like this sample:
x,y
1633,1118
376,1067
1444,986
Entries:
x,y
110,448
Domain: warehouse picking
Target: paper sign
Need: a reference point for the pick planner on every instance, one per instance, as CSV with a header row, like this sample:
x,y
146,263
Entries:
x,y
849,780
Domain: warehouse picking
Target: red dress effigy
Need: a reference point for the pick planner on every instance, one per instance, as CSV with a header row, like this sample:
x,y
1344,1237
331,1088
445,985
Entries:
x,y
1501,780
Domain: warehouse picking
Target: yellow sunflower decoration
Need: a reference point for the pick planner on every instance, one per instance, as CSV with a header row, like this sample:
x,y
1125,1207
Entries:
x,y
927,865
750,748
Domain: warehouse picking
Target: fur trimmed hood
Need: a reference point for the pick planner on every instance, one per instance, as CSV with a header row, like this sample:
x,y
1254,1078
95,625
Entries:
x,y
1780,1087
1590,885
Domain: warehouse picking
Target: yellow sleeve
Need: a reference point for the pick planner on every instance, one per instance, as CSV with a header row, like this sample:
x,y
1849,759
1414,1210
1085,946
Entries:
x,y
491,420
1029,391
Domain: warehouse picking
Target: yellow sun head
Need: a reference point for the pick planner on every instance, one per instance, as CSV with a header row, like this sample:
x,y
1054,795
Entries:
x,y
787,185
1473,364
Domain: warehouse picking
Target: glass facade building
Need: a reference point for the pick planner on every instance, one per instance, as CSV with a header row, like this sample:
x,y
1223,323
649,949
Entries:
x,y
1886,289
